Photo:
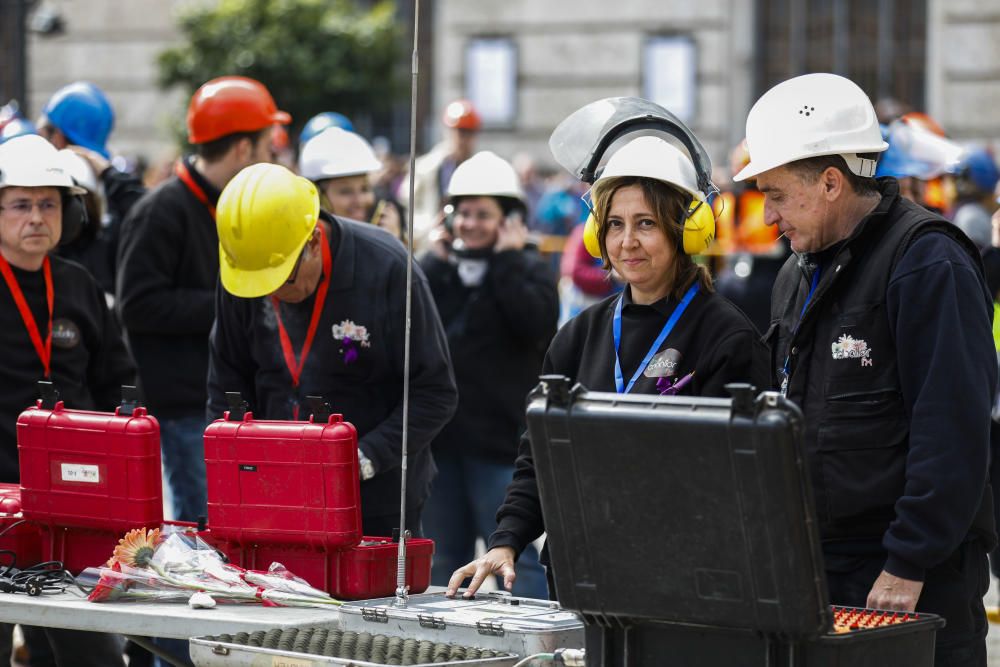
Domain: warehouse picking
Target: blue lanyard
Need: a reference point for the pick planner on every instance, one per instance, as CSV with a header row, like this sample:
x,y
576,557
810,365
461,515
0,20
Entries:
x,y
667,328
812,290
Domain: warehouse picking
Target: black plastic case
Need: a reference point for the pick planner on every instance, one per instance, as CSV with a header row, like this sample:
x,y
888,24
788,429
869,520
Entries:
x,y
718,534
684,528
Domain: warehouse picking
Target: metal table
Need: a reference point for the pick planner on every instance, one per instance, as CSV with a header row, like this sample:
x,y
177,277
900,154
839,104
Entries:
x,y
70,610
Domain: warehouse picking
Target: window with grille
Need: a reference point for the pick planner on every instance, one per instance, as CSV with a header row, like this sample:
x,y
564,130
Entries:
x,y
879,44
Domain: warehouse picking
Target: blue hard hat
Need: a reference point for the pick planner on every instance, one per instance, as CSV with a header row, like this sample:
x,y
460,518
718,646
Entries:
x,y
320,122
18,127
82,112
979,167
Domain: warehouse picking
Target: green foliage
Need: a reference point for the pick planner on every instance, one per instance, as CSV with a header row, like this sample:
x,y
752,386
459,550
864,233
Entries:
x,y
313,55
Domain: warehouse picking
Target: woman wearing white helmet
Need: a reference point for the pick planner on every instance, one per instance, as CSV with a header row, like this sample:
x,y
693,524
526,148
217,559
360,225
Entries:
x,y
341,164
667,333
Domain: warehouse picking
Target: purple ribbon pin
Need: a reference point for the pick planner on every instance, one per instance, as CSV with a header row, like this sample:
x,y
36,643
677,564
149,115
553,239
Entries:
x,y
666,387
350,352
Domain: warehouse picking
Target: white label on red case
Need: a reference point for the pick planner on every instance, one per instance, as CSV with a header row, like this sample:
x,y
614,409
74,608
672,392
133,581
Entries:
x,y
75,472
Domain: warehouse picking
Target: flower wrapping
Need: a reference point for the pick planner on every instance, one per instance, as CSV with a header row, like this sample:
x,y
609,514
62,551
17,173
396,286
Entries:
x,y
150,565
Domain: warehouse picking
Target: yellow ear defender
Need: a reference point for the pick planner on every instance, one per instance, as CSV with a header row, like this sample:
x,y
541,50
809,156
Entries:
x,y
699,230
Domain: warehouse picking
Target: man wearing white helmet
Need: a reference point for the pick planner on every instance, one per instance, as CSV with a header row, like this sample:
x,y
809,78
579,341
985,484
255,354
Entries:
x,y
880,331
499,306
58,328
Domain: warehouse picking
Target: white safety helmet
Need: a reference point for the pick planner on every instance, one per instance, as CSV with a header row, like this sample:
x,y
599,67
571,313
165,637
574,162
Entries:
x,y
336,152
79,170
654,157
810,116
485,174
30,161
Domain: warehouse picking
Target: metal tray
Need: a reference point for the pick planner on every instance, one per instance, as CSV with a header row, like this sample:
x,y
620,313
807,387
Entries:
x,y
495,620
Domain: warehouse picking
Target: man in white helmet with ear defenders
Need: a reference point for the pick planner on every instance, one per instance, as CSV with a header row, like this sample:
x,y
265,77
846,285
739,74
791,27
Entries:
x,y
57,327
880,331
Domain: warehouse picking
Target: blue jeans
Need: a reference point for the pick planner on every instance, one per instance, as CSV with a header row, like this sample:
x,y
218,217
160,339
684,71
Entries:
x,y
183,450
462,507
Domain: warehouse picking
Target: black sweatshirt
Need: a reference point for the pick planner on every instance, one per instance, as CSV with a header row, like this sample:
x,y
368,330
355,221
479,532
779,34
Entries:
x,y
361,378
713,339
497,334
89,361
168,264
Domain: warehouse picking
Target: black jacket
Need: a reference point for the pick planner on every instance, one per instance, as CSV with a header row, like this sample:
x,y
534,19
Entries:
x,y
497,334
367,289
89,362
713,339
168,264
894,367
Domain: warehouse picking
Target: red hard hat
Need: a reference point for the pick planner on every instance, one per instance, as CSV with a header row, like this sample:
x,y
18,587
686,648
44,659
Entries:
x,y
463,115
231,104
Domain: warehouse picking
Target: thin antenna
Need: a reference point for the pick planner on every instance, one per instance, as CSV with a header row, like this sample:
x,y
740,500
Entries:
x,y
401,588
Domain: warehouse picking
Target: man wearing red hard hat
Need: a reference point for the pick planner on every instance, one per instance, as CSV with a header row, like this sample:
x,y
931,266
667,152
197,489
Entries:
x,y
168,266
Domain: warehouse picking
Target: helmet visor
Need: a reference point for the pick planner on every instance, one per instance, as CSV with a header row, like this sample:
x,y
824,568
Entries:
x,y
581,142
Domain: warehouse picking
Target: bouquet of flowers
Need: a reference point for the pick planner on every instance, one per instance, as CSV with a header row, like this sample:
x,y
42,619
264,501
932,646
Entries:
x,y
156,567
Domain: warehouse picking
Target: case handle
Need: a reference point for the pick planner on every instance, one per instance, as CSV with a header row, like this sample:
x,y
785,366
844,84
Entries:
x,y
743,397
131,400
49,395
319,409
237,406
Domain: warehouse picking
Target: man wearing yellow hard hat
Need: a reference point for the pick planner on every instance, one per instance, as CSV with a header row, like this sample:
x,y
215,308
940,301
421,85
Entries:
x,y
314,305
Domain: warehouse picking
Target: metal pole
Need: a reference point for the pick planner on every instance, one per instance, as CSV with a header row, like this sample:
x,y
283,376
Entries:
x,y
401,588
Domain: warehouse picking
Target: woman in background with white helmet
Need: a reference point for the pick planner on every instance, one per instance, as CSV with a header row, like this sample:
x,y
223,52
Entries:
x,y
498,303
667,333
341,164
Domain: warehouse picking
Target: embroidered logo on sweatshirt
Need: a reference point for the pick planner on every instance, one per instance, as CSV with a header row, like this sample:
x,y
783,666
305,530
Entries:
x,y
351,336
664,364
848,347
65,334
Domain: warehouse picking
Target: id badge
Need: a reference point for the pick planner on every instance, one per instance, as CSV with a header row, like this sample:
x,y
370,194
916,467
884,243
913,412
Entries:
x,y
784,385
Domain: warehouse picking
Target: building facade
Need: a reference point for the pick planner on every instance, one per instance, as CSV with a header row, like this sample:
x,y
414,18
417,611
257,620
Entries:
x,y
531,63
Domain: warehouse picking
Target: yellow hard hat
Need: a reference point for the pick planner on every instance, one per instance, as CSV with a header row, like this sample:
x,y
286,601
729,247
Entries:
x,y
265,216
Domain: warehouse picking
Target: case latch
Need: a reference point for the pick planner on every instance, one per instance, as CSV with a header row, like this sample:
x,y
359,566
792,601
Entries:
x,y
373,615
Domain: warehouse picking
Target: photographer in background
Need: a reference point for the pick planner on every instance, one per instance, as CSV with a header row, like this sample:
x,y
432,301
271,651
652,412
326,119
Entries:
x,y
499,305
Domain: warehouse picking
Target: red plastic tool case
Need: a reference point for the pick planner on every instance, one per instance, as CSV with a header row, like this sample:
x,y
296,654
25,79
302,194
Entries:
x,y
284,482
24,540
84,469
366,570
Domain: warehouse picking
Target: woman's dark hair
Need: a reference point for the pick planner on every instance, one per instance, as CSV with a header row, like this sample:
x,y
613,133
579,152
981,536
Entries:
x,y
669,206
508,205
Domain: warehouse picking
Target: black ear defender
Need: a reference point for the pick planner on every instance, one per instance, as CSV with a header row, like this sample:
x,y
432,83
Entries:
x,y
74,218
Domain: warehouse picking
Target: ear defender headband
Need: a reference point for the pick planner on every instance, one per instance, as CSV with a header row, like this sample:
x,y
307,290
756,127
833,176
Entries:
x,y
699,219
699,229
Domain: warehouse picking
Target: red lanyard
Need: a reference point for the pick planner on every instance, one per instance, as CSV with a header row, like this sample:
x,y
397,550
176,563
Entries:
x,y
44,350
295,365
181,169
